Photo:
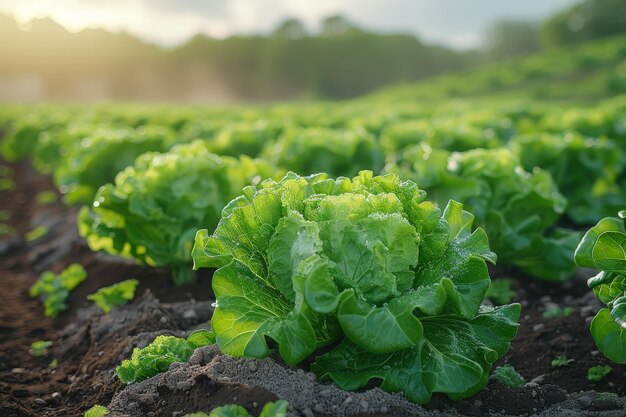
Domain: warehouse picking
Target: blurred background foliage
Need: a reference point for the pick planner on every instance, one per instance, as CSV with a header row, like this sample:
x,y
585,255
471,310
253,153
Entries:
x,y
340,60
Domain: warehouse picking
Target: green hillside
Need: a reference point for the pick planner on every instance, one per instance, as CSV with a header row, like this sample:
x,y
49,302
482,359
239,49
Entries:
x,y
588,71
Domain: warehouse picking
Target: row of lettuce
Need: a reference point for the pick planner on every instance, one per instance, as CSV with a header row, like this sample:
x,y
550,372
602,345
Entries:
x,y
385,268
524,171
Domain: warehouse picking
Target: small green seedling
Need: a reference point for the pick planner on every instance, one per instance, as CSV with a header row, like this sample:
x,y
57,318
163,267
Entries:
x,y
598,372
7,184
507,375
500,291
115,295
160,354
39,348
5,215
604,396
96,411
271,409
561,360
46,197
558,312
53,363
37,233
5,229
55,289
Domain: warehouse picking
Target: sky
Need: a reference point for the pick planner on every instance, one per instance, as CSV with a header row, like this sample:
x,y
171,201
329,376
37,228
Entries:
x,y
457,23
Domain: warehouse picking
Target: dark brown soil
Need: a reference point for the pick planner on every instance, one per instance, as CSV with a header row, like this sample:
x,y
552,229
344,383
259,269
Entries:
x,y
88,345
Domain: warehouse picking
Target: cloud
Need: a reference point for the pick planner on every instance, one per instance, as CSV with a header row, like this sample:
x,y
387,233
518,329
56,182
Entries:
x,y
459,23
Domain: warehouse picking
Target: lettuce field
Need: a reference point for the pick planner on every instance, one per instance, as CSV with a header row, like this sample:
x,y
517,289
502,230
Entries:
x,y
399,254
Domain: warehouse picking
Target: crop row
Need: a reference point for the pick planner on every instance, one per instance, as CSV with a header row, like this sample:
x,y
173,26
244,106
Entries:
x,y
352,226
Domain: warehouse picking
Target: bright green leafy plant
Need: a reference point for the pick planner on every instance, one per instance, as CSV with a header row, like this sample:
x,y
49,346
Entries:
x,y
99,157
500,291
96,411
39,348
509,376
23,135
367,262
154,208
443,133
558,312
46,197
242,139
55,289
271,409
585,170
604,247
7,184
160,354
36,234
115,295
517,208
561,360
5,229
598,372
337,152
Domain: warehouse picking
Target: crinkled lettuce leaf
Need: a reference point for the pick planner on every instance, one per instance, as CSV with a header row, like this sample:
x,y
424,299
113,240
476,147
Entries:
x,y
454,356
97,158
334,151
585,170
366,261
604,247
154,208
54,289
114,295
518,209
160,354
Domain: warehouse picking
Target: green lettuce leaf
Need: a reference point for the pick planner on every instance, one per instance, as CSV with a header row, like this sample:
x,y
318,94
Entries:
x,y
96,411
337,152
153,210
160,354
609,335
115,295
454,357
54,290
271,409
585,170
365,261
604,247
98,157
518,209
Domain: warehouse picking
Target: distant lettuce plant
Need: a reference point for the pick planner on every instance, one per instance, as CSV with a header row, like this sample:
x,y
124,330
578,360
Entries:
x,y
518,209
154,208
338,152
368,263
242,138
22,135
445,133
585,170
114,295
54,290
96,159
604,247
